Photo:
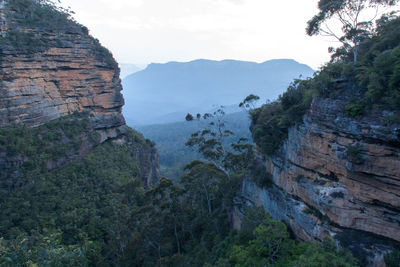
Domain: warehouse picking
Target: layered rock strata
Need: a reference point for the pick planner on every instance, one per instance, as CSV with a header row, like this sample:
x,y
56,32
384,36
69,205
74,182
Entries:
x,y
37,88
333,175
52,71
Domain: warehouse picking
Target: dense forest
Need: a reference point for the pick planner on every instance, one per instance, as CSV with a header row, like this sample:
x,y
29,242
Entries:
x,y
95,211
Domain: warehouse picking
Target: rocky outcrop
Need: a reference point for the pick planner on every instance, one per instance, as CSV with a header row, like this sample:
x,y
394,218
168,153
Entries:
x,y
58,82
50,70
69,73
335,176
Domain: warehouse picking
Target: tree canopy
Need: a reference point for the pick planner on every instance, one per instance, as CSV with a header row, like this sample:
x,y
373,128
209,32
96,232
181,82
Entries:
x,y
356,17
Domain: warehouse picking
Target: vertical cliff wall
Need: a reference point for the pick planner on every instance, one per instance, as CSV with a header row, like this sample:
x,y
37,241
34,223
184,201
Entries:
x,y
336,176
50,68
47,73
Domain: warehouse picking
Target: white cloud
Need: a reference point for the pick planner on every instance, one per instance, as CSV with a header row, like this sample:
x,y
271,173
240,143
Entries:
x,y
141,31
121,4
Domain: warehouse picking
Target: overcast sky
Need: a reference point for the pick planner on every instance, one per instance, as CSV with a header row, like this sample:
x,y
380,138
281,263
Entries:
x,y
146,31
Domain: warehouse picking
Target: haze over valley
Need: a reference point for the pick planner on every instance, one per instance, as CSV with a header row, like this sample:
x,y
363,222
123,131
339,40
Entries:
x,y
158,98
164,93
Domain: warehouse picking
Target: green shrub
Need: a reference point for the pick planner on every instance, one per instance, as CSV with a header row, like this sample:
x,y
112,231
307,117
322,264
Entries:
x,y
261,177
83,202
37,146
354,152
270,245
354,110
44,14
104,54
373,84
27,18
393,259
378,71
30,20
270,123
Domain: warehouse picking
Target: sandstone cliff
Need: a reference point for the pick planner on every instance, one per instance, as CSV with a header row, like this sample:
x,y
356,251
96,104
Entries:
x,y
69,73
336,176
50,67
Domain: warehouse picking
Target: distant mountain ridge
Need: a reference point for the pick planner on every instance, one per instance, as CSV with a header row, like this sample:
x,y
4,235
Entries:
x,y
196,86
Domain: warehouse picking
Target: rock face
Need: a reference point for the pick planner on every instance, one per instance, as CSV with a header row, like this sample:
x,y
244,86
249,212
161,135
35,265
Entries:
x,y
68,75
49,72
336,176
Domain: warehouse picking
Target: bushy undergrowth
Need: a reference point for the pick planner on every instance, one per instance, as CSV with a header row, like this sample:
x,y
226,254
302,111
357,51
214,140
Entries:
x,y
270,123
74,215
393,259
25,18
33,148
29,22
372,84
95,212
44,14
378,69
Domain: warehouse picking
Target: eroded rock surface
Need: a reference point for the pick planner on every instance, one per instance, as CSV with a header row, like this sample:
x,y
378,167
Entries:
x,y
50,72
334,175
39,87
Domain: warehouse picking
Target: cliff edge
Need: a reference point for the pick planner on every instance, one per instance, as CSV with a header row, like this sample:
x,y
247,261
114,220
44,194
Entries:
x,y
53,76
336,176
53,69
331,147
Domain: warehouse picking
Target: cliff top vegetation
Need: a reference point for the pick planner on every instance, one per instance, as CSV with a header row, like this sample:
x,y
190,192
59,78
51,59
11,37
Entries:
x,y
34,26
371,85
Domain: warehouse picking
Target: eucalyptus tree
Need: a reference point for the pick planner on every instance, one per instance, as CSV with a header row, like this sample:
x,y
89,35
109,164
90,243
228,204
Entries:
x,y
356,17
213,144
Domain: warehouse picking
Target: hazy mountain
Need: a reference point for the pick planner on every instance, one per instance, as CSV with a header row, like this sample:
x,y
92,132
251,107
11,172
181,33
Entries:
x,y
164,93
128,69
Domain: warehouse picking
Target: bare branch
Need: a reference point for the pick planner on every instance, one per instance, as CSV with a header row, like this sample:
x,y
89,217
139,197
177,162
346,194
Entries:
x,y
330,33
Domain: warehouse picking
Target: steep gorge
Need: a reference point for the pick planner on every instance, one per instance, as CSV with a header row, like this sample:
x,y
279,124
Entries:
x,y
72,167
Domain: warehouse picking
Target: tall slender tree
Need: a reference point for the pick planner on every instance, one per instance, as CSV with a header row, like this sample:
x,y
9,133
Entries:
x,y
357,18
